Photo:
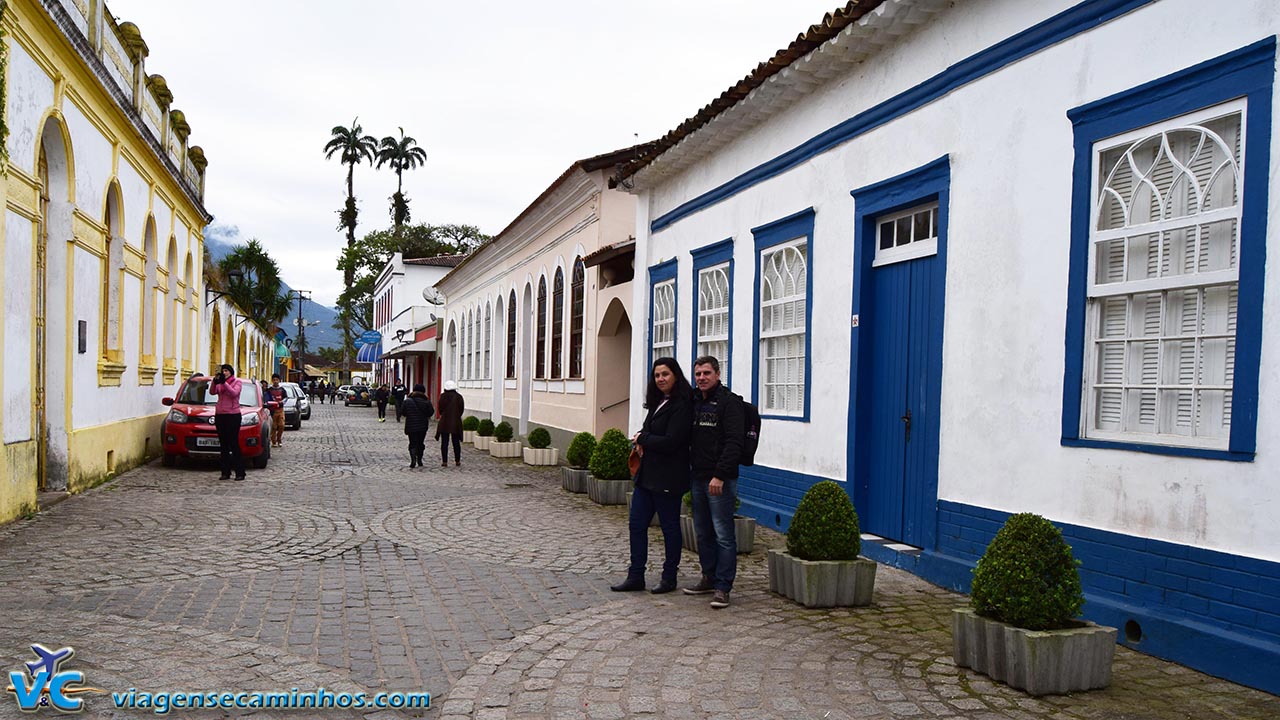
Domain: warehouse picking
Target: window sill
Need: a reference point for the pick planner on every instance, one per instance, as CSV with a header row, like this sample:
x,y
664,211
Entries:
x,y
786,418
1202,453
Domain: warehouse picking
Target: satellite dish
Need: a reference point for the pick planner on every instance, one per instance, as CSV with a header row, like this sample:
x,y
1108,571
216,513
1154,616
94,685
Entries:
x,y
433,295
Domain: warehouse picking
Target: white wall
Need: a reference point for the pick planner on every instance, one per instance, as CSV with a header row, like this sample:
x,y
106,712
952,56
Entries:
x,y
1010,145
18,340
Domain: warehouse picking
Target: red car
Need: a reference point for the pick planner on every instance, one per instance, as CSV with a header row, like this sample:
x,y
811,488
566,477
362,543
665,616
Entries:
x,y
188,430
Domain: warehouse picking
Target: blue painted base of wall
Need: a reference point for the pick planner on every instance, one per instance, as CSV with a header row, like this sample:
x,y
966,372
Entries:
x,y
1216,612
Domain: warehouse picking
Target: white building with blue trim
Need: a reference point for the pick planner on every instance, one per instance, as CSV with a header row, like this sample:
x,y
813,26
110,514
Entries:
x,y
979,258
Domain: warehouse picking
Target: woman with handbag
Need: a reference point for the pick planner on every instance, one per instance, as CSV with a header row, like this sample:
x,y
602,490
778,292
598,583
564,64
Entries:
x,y
663,477
417,410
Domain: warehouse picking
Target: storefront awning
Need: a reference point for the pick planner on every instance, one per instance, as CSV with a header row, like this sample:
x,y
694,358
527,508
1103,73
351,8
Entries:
x,y
370,353
421,347
281,351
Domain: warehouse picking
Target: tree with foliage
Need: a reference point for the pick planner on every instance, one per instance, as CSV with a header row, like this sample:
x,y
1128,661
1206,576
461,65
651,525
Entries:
x,y
367,257
352,147
330,355
401,154
262,293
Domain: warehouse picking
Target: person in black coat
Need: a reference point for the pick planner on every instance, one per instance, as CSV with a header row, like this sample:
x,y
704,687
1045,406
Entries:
x,y
417,410
664,473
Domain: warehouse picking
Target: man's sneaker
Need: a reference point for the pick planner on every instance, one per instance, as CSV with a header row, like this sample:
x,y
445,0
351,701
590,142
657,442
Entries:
x,y
704,587
720,599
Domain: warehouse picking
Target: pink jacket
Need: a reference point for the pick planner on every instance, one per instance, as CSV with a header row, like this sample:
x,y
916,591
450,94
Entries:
x,y
228,393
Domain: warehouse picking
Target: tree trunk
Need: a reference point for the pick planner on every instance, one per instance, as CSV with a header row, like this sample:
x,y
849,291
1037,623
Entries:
x,y
348,278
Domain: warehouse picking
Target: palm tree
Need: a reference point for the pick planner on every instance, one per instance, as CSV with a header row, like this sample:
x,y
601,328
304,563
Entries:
x,y
402,154
262,293
352,148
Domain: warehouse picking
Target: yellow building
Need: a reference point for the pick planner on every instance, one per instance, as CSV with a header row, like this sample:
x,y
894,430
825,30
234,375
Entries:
x,y
103,308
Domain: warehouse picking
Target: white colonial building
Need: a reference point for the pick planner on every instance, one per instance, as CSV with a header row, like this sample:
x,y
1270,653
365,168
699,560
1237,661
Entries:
x,y
978,258
537,327
102,288
407,308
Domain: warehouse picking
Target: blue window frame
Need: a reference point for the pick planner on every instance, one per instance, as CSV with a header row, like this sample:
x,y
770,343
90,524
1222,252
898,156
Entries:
x,y
783,292
662,310
1241,80
712,311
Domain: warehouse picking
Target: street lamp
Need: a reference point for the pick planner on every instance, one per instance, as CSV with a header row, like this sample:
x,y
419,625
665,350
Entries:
x,y
234,278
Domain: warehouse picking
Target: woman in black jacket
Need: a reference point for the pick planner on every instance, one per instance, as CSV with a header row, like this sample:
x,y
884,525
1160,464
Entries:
x,y
663,478
417,412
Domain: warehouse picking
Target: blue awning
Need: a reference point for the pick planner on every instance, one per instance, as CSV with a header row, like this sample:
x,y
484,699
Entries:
x,y
370,353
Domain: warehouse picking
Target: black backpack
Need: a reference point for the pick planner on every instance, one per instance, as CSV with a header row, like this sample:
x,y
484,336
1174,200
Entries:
x,y
751,439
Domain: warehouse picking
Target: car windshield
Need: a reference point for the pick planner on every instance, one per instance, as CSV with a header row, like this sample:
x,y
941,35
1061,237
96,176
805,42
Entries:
x,y
196,392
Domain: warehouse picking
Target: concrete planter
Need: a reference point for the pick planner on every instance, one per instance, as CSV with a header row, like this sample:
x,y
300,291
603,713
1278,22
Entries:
x,y
505,449
1039,662
744,531
822,583
574,479
653,521
468,436
541,456
608,492
482,441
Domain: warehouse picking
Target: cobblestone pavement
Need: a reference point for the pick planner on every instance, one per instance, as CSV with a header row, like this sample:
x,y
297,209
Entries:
x,y
487,586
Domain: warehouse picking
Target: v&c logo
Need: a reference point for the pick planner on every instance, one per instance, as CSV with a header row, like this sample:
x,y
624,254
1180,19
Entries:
x,y
45,683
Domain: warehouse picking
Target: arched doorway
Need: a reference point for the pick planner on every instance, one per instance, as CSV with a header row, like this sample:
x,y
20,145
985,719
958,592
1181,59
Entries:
x,y
215,341
613,368
49,299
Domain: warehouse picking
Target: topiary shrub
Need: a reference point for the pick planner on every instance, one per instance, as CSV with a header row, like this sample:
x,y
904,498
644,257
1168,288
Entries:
x,y
579,453
471,423
539,438
609,460
825,526
503,432
486,428
1028,576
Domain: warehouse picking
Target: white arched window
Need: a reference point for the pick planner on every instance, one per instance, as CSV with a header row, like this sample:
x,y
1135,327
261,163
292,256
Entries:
x,y
577,308
713,316
664,319
783,296
488,337
1163,282
511,335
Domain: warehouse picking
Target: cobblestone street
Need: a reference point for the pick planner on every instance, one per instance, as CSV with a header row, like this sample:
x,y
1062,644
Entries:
x,y
486,585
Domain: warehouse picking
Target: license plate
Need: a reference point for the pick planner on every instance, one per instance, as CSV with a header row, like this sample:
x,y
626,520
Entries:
x,y
207,442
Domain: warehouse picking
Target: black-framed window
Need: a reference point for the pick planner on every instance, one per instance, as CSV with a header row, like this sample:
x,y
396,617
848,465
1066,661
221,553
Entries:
x,y
577,308
511,335
541,370
557,325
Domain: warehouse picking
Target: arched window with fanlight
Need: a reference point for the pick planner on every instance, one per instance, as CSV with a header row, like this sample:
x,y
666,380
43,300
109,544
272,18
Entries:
x,y
488,338
577,309
511,335
557,325
540,371
784,327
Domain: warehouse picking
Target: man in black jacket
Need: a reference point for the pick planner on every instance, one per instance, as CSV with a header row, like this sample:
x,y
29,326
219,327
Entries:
x,y
716,449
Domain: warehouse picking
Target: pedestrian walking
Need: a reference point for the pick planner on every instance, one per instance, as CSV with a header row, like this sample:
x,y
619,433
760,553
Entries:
x,y
333,393
449,428
226,418
381,396
715,449
311,390
276,394
398,393
663,477
417,420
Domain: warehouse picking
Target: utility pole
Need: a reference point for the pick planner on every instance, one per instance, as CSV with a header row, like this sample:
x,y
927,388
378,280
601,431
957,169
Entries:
x,y
301,295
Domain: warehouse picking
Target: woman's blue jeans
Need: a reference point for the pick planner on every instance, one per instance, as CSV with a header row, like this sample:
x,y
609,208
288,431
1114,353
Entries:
x,y
644,503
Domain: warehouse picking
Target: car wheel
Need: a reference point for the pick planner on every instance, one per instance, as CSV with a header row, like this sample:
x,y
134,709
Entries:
x,y
297,425
168,459
260,462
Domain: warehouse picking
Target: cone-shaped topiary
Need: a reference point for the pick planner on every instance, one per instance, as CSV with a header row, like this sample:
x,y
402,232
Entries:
x,y
539,438
470,422
609,461
1028,576
825,526
503,432
579,454
486,428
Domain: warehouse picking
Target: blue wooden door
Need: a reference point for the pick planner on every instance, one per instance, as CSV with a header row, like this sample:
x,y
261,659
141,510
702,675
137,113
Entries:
x,y
900,441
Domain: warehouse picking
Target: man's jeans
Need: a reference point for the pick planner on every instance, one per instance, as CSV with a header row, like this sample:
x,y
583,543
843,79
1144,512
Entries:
x,y
713,526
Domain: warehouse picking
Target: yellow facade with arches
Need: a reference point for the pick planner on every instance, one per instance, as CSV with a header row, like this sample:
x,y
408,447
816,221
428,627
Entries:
x,y
104,312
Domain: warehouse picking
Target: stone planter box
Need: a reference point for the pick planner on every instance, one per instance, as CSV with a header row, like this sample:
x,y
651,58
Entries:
x,y
541,456
1039,662
609,492
468,436
653,521
744,531
482,441
504,449
574,480
822,583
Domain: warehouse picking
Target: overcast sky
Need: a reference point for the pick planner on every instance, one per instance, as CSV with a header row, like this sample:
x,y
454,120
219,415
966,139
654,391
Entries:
x,y
503,96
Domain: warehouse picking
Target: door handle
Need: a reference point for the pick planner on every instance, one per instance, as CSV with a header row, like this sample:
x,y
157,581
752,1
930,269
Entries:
x,y
906,419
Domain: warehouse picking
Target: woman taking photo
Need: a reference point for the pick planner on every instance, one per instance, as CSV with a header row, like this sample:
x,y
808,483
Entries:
x,y
663,478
